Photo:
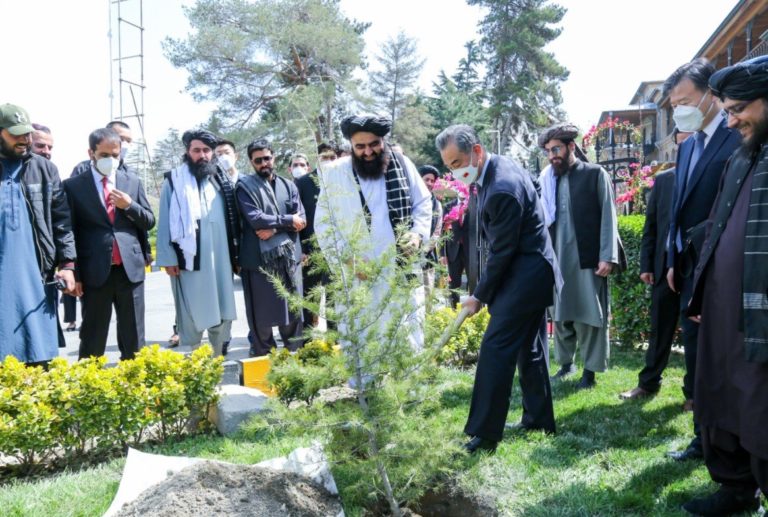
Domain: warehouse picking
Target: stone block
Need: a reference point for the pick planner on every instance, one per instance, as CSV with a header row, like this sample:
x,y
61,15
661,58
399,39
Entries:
x,y
236,405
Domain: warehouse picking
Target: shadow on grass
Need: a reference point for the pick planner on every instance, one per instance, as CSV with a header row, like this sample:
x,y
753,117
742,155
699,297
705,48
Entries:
x,y
650,491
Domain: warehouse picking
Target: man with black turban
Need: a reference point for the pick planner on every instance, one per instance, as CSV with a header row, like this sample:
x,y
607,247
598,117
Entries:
x,y
197,242
583,226
730,300
375,201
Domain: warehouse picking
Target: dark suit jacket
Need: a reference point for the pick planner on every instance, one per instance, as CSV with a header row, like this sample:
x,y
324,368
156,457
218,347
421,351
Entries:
x,y
459,234
519,273
94,233
693,203
85,166
653,247
308,192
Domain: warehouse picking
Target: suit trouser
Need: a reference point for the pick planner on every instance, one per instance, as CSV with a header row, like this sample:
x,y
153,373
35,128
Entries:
x,y
70,308
510,341
262,340
593,342
690,347
455,269
730,464
97,302
665,311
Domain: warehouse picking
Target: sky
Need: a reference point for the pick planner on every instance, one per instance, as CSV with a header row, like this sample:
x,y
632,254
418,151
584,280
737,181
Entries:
x,y
57,56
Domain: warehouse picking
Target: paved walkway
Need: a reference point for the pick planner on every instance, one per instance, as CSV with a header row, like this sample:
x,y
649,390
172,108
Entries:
x,y
159,319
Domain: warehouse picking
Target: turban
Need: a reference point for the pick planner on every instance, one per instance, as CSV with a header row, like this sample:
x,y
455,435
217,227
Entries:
x,y
564,132
429,169
204,136
745,81
379,126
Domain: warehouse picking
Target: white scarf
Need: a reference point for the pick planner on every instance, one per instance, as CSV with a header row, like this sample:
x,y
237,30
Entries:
x,y
184,213
548,183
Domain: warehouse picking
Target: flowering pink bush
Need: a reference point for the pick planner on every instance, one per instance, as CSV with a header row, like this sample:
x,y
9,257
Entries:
x,y
447,187
637,181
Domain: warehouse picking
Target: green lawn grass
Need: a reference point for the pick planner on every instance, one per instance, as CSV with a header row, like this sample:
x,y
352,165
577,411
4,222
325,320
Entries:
x,y
606,459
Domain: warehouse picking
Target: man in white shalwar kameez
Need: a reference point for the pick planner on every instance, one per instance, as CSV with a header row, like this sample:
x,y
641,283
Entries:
x,y
364,201
194,244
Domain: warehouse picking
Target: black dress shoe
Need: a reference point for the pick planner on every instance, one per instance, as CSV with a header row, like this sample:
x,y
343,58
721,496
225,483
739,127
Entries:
x,y
565,370
477,443
726,501
690,453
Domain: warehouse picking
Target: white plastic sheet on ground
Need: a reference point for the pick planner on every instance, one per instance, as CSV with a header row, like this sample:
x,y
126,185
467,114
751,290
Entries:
x,y
143,470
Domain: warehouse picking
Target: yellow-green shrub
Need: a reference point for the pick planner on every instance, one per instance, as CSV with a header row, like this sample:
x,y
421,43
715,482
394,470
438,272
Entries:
x,y
463,347
85,406
29,422
302,375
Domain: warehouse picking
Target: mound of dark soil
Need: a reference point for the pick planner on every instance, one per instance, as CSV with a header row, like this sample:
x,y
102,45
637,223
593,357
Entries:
x,y
211,488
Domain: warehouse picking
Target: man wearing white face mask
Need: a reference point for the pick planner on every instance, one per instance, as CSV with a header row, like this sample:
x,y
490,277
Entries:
x,y
516,283
299,166
227,158
110,214
700,163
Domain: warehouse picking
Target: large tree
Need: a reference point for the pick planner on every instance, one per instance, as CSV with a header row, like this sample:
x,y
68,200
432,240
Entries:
x,y
522,79
249,55
400,66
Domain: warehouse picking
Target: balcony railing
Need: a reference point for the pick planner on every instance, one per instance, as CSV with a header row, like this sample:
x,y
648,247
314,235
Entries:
x,y
760,50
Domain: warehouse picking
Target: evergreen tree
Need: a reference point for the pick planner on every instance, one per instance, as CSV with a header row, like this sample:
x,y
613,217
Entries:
x,y
248,55
522,79
467,78
392,84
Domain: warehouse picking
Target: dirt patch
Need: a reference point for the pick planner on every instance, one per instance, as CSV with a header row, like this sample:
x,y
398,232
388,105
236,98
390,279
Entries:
x,y
452,502
211,488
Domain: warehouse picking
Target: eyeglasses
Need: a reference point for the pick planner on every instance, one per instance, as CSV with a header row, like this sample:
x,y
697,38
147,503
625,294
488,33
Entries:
x,y
554,150
262,159
736,109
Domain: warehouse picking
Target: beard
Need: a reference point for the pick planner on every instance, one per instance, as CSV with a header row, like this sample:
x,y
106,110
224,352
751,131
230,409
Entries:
x,y
759,134
11,151
561,165
200,169
265,172
373,169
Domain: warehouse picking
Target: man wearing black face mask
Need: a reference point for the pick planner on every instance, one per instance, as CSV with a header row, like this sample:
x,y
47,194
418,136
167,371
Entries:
x,y
110,215
197,242
700,163
272,215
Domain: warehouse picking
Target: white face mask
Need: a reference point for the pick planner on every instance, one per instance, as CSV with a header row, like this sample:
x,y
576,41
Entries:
x,y
226,161
467,174
690,118
298,172
106,166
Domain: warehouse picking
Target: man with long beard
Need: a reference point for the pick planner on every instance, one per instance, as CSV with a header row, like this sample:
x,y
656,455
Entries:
x,y
730,303
374,201
272,217
586,241
197,243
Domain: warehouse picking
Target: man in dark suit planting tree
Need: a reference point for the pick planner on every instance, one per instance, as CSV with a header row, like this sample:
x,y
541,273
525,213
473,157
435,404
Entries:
x,y
516,284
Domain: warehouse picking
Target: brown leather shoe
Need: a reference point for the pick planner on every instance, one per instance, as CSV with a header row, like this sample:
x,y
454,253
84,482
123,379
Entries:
x,y
688,405
636,393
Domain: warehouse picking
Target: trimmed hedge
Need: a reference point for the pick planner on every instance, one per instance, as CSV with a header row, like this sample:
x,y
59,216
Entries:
x,y
630,297
70,409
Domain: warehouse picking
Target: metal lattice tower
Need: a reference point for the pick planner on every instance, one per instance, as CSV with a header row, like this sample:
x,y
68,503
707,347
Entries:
x,y
126,52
